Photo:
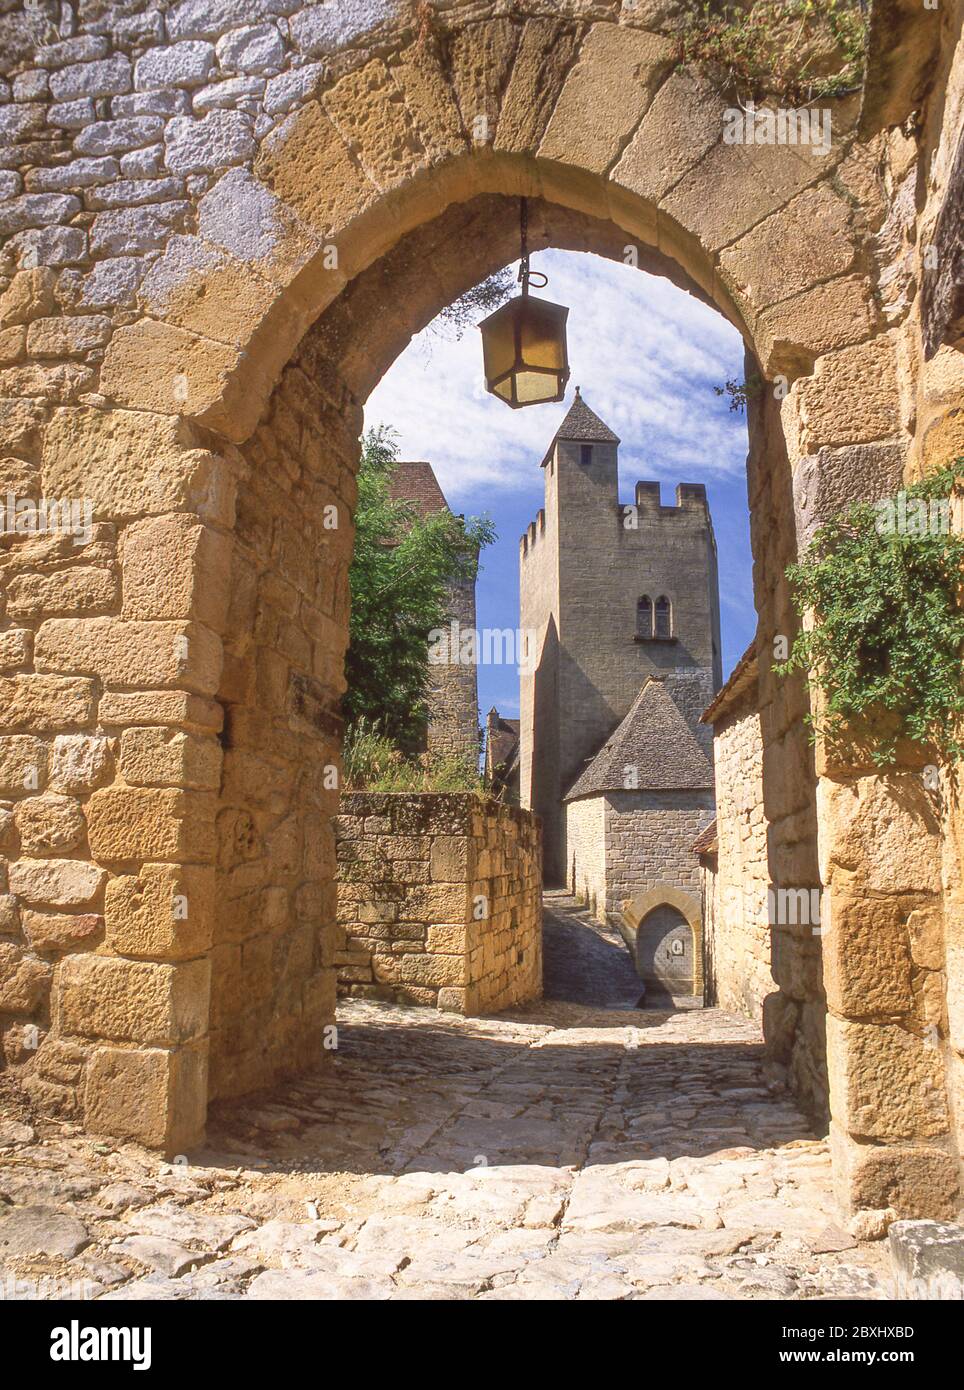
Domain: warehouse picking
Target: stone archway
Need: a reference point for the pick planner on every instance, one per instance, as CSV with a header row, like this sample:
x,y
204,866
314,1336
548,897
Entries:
x,y
192,655
678,907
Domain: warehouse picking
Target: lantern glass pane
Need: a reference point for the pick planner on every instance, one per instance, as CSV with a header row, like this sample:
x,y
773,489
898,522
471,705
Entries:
x,y
498,342
532,387
543,335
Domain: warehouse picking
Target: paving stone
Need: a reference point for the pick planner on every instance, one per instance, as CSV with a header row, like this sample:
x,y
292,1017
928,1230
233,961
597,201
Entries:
x,y
41,1230
580,1150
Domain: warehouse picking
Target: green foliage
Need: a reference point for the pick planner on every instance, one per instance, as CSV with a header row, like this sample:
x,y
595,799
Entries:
x,y
794,50
888,630
398,578
484,298
740,392
373,763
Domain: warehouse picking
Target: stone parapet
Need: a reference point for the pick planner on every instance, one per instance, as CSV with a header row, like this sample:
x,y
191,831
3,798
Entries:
x,y
439,900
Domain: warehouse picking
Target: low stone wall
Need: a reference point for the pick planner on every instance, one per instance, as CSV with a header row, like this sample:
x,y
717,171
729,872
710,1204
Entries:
x,y
439,900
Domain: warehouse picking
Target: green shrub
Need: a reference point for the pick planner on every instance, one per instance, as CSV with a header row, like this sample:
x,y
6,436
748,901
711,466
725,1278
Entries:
x,y
888,622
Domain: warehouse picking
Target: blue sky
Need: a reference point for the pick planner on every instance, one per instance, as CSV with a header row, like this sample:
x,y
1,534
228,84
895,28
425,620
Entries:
x,y
647,356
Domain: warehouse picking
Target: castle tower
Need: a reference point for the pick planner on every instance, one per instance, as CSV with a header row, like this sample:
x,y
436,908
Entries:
x,y
612,595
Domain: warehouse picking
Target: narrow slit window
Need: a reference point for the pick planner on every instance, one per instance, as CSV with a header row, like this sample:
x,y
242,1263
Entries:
x,y
585,454
664,617
644,617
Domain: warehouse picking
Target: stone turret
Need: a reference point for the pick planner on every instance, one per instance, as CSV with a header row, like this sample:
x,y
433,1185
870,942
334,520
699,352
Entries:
x,y
614,594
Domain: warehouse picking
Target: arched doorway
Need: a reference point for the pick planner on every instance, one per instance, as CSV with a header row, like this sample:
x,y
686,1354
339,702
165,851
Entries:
x,y
666,953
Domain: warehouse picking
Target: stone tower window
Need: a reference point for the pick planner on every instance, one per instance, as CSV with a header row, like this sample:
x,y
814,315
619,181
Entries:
x,y
585,454
644,617
664,617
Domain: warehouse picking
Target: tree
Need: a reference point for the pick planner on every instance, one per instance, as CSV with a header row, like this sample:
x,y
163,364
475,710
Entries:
x,y
483,298
399,576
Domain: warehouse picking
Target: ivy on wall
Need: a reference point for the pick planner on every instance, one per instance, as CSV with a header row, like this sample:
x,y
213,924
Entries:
x,y
883,584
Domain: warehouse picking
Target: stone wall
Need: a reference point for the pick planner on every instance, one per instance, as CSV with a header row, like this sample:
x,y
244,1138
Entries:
x,y
586,847
625,843
734,880
648,839
439,901
453,687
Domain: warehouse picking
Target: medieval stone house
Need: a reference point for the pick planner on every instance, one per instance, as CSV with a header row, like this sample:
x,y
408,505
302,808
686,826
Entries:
x,y
623,603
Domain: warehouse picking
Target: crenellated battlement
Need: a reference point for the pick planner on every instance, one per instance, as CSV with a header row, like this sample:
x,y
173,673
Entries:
x,y
531,534
689,496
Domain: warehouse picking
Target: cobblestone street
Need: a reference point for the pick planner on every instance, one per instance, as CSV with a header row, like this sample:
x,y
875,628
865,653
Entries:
x,y
567,1151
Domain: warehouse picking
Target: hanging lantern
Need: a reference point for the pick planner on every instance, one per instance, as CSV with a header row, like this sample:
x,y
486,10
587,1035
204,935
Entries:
x,y
524,343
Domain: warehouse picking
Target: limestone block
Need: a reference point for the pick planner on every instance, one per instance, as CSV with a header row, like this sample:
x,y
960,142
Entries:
x,y
164,757
23,764
60,931
542,60
44,703
732,188
885,1082
176,708
133,1001
204,290
163,912
150,1096
79,589
449,858
365,107
24,981
123,652
30,295
125,823
433,970
56,882
80,762
305,163
453,1000
825,483
792,334
48,824
605,95
242,217
766,266
151,366
851,398
878,835
447,940
913,1180
430,100
174,567
131,463
16,645
866,956
438,902
480,59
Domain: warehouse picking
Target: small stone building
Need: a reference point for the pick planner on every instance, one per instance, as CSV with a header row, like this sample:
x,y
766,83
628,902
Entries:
x,y
631,819
453,689
502,756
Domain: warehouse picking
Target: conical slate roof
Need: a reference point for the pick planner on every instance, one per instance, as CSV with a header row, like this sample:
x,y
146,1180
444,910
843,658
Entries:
x,y
582,424
655,739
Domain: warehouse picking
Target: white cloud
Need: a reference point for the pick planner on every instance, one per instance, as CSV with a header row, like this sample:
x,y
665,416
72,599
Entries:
x,y
646,354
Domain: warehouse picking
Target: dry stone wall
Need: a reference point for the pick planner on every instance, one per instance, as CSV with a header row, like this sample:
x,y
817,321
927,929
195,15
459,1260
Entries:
x,y
439,901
